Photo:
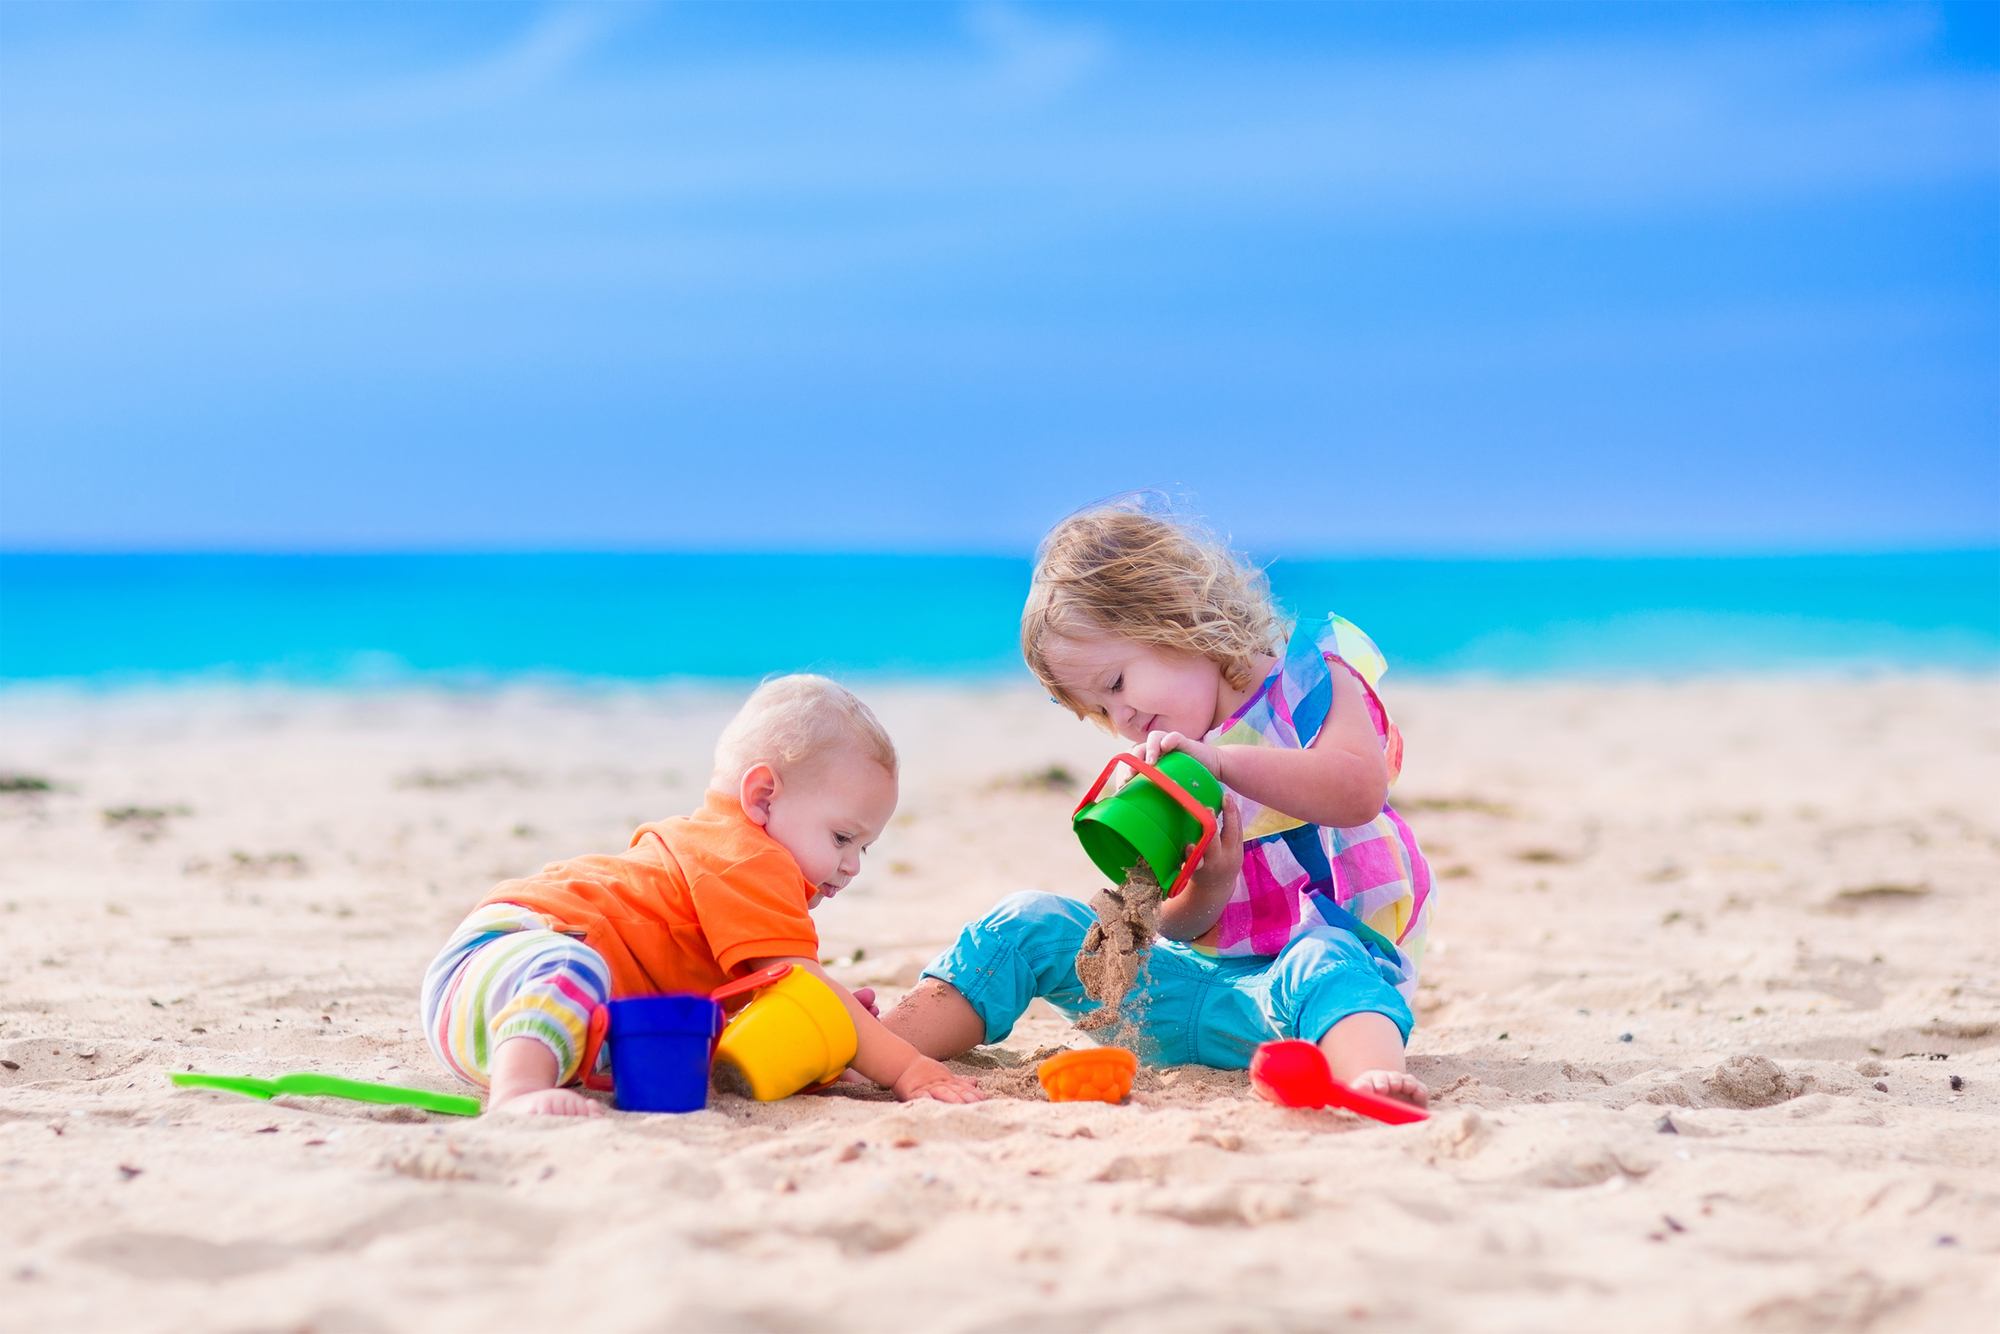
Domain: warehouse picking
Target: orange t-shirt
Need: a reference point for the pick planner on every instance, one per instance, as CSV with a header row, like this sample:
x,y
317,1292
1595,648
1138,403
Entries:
x,y
684,907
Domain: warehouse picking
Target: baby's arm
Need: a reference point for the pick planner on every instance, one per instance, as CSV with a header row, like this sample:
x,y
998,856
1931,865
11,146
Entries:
x,y
1342,781
884,1057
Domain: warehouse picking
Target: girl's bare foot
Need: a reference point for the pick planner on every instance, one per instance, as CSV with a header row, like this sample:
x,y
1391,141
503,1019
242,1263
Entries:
x,y
548,1102
1396,1084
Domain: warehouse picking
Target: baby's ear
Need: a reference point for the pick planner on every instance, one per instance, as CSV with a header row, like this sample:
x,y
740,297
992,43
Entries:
x,y
758,787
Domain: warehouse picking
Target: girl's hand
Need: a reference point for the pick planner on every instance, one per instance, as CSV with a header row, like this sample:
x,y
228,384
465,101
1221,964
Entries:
x,y
1215,877
1195,909
1159,743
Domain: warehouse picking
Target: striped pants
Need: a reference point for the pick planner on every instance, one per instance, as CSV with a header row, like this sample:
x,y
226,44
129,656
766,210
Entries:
x,y
506,974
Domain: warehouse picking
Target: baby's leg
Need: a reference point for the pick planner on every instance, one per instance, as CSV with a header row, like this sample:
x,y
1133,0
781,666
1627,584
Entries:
x,y
508,1005
528,1082
975,991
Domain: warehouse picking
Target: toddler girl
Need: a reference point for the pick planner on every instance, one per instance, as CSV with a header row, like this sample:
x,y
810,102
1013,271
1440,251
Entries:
x,y
1306,917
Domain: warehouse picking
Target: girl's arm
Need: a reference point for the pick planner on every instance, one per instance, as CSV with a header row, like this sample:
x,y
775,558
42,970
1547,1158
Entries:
x,y
1190,913
1342,781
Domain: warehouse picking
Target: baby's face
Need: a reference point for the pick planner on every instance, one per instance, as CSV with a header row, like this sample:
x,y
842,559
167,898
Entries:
x,y
826,813
1138,688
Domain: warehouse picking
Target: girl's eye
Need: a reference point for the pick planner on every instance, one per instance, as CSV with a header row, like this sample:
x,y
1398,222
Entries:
x,y
1118,683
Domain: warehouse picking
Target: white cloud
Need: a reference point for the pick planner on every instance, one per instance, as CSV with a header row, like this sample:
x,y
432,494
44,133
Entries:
x,y
1780,112
1035,59
799,168
559,38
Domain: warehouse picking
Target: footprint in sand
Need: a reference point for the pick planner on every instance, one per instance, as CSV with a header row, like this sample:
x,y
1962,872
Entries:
x,y
1231,1206
437,1161
1580,1164
1457,1134
1749,1081
163,1255
1853,1301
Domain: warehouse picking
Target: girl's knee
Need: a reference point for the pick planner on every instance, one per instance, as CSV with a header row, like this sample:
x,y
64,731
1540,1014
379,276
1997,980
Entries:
x,y
1342,998
1023,948
1034,912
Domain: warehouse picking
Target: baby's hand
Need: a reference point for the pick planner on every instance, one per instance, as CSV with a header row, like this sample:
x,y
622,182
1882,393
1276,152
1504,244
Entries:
x,y
926,1078
1159,743
866,996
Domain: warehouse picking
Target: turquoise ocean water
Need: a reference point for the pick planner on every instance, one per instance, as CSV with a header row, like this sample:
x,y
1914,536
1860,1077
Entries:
x,y
473,619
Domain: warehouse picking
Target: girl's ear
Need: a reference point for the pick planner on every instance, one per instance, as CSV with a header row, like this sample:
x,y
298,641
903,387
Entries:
x,y
759,786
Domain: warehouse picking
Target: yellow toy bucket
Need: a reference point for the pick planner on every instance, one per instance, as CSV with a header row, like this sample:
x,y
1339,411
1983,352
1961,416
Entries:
x,y
795,1033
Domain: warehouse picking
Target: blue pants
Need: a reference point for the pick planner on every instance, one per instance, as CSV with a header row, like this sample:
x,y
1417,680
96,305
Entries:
x,y
1188,1007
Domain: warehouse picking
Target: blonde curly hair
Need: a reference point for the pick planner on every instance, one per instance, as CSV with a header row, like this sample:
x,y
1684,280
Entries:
x,y
789,721
1126,570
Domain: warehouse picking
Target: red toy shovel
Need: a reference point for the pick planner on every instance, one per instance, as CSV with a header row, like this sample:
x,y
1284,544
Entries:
x,y
1292,1073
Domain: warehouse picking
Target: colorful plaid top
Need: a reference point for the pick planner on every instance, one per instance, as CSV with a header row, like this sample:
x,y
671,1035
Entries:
x,y
1371,879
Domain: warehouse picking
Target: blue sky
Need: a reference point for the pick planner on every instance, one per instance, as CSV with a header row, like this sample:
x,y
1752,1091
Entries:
x,y
1358,279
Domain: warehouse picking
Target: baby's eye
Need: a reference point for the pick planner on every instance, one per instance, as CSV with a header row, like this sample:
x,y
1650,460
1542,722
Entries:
x,y
842,840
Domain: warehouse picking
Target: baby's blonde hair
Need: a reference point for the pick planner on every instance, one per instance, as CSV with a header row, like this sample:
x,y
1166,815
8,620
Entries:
x,y
1120,569
791,720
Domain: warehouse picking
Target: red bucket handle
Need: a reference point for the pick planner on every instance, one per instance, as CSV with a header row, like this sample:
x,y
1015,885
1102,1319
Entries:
x,y
1202,814
763,977
600,1023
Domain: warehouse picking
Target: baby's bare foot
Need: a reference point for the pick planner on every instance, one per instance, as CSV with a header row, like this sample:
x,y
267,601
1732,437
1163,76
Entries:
x,y
548,1102
1394,1084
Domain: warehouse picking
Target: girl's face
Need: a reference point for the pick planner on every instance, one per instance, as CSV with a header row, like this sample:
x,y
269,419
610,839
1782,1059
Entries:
x,y
1139,688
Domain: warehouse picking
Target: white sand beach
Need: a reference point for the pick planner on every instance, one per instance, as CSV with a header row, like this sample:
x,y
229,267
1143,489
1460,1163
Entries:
x,y
1712,1019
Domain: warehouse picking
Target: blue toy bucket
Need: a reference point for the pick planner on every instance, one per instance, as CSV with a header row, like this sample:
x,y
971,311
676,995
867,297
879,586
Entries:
x,y
660,1049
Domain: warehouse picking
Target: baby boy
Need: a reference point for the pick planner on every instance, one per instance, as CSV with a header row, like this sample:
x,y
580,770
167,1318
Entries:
x,y
804,781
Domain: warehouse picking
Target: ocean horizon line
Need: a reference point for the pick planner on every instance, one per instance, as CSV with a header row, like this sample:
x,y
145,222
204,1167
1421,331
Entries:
x,y
735,617
58,691
1989,547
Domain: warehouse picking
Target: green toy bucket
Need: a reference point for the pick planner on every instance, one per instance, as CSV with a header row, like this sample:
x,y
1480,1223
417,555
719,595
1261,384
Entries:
x,y
1165,816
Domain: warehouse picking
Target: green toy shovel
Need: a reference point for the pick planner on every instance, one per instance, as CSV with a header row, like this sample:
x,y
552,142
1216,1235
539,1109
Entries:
x,y
307,1085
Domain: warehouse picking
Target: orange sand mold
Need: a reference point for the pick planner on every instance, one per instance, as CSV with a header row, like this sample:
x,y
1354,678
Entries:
x,y
1093,1074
